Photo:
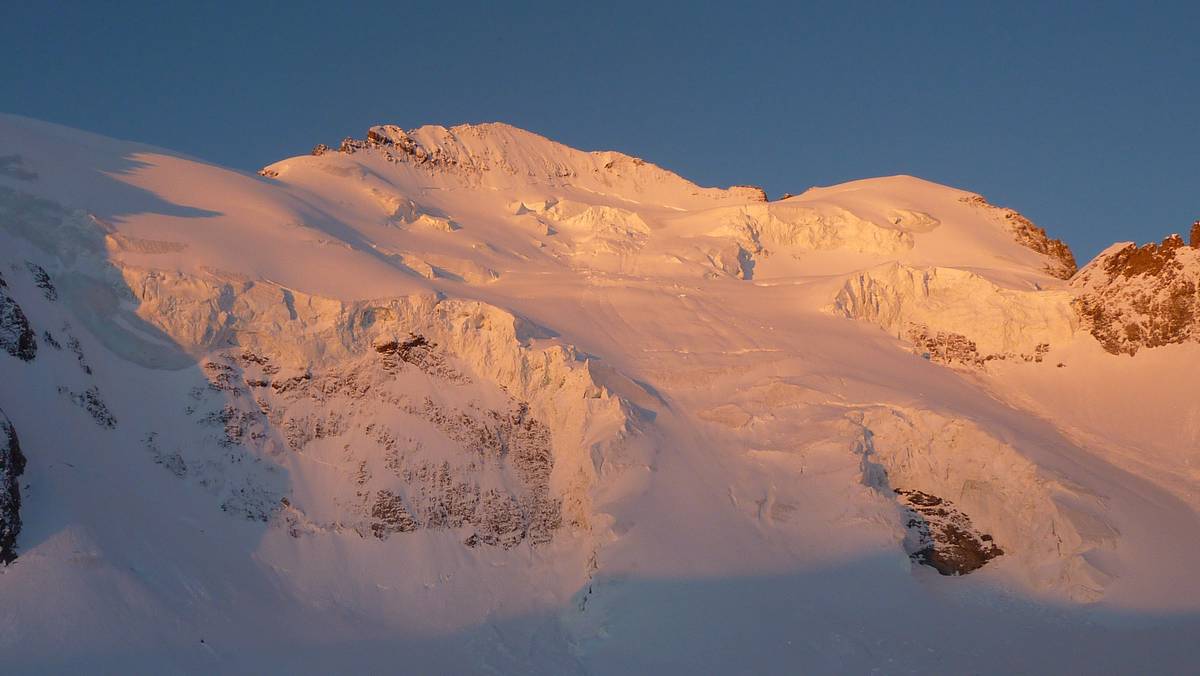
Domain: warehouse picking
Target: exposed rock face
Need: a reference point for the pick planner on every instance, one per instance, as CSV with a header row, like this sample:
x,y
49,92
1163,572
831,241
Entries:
x,y
41,280
91,401
942,537
945,347
12,465
390,516
447,151
397,145
752,192
1027,234
16,336
420,352
1133,297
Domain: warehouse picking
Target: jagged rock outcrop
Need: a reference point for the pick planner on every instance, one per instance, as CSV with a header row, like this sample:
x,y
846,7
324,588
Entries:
x,y
41,279
12,466
947,347
1062,260
1133,297
750,192
16,335
92,402
942,537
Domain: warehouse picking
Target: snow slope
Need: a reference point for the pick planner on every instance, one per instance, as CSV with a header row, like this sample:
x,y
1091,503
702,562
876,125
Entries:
x,y
467,400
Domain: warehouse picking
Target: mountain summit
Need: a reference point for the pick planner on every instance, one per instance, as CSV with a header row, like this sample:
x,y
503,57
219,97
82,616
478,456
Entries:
x,y
469,400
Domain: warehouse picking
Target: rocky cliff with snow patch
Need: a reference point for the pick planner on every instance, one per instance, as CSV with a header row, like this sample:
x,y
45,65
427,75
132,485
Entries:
x,y
12,466
1134,297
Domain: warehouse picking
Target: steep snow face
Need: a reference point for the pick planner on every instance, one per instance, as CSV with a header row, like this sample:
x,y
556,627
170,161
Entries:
x,y
506,405
597,230
819,227
946,227
481,406
407,420
1044,520
957,316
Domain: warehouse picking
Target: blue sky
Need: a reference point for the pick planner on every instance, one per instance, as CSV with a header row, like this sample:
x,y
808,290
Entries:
x,y
1084,116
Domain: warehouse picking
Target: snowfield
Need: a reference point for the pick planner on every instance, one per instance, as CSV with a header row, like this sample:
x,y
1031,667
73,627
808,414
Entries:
x,y
467,400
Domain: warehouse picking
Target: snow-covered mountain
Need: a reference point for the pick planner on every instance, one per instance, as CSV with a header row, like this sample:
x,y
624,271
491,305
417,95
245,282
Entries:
x,y
468,400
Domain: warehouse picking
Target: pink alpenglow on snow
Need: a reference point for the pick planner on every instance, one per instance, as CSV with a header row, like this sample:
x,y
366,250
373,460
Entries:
x,y
462,400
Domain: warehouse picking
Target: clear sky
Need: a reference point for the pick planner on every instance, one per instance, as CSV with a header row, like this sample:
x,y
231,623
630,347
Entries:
x,y
1084,116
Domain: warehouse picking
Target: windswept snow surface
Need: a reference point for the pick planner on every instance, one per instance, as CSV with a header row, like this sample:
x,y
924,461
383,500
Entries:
x,y
467,400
